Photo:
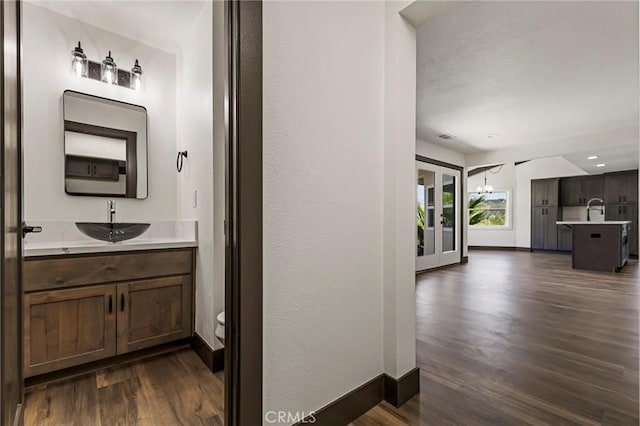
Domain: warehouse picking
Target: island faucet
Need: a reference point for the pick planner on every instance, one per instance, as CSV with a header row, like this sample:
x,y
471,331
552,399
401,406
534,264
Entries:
x,y
589,207
112,210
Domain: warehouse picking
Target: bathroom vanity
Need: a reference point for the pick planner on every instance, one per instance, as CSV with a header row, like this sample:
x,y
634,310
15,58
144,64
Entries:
x,y
87,300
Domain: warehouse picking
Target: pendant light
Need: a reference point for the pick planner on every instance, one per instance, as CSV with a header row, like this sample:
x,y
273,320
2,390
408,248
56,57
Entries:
x,y
486,189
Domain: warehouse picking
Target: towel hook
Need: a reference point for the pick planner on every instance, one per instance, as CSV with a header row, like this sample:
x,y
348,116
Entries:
x,y
179,161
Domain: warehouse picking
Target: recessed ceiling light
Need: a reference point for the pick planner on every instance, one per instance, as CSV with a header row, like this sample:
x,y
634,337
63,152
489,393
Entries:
x,y
492,135
592,157
600,165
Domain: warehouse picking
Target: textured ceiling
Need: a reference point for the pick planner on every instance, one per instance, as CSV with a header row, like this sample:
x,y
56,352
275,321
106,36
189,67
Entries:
x,y
530,72
161,24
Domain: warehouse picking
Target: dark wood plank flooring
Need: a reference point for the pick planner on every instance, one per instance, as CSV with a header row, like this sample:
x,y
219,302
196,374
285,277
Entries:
x,y
172,389
521,338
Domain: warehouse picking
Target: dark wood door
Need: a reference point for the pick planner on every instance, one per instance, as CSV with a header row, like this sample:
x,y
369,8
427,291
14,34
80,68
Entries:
x,y
538,227
11,383
63,328
550,228
151,312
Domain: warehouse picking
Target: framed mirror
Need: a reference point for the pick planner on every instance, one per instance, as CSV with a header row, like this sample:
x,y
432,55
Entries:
x,y
105,147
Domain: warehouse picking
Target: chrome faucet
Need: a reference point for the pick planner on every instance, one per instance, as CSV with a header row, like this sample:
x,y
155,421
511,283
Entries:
x,y
589,207
112,210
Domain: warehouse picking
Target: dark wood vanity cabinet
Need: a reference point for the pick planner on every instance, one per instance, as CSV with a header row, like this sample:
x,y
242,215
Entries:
x,y
578,190
84,308
63,328
151,312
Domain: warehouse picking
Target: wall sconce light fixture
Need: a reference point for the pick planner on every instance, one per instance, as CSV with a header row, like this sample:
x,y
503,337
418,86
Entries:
x,y
106,71
136,76
109,70
79,61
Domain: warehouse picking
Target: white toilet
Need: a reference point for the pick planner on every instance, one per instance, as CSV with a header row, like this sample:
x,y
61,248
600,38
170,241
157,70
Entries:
x,y
220,327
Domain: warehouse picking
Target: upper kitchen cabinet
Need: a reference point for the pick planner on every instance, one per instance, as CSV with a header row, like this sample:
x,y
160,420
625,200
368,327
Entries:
x,y
544,192
578,190
621,188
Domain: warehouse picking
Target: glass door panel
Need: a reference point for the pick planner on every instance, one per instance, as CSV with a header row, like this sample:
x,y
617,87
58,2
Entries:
x,y
425,213
449,197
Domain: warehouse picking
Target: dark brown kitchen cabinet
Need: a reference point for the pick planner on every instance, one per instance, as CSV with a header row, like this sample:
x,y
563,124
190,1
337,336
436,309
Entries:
x,y
621,188
544,192
565,238
544,231
625,212
578,190
92,168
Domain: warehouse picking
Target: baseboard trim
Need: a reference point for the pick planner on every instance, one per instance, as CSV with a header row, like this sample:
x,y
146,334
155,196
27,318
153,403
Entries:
x,y
500,248
213,359
465,259
350,406
399,391
354,404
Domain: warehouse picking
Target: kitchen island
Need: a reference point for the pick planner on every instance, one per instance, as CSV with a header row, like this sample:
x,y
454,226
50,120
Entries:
x,y
599,246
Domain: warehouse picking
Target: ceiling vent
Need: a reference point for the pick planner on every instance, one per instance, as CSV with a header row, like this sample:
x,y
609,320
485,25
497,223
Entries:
x,y
446,137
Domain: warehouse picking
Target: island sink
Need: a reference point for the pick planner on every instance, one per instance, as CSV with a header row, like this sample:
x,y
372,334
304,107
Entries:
x,y
112,232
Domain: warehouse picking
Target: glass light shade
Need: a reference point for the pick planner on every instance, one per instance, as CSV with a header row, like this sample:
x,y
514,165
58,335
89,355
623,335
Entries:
x,y
136,77
79,63
109,70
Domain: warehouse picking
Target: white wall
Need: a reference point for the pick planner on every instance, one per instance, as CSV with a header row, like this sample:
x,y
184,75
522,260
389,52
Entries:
x,y
196,181
501,179
536,169
48,40
399,195
450,156
323,215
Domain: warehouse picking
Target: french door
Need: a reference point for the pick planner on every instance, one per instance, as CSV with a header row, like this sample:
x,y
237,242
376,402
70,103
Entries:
x,y
438,216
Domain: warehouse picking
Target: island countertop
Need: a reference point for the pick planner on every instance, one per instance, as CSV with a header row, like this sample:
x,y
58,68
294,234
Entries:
x,y
601,222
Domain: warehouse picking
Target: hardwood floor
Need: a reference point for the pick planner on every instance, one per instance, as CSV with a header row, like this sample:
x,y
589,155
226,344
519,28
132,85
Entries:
x,y
172,389
521,338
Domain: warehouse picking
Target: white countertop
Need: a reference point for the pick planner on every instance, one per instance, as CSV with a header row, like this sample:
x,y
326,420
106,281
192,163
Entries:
x,y
600,222
58,238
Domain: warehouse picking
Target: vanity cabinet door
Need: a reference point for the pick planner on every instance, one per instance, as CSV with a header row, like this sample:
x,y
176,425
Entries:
x,y
152,312
63,328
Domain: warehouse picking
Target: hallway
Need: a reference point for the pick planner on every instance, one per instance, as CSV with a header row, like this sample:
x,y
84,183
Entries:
x,y
521,338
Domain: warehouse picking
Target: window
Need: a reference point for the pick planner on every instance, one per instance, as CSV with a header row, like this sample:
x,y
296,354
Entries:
x,y
489,210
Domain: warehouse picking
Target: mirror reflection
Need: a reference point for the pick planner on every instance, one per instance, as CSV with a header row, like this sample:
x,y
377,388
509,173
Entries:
x,y
105,144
